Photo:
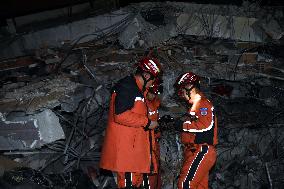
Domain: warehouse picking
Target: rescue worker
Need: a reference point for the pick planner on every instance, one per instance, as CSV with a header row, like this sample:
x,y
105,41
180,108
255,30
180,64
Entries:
x,y
127,144
199,134
153,103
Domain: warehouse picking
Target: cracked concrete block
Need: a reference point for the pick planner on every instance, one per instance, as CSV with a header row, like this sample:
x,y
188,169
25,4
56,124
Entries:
x,y
272,28
130,35
30,132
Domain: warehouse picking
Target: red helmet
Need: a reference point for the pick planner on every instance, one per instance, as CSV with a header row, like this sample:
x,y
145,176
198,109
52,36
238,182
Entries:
x,y
157,87
150,65
185,79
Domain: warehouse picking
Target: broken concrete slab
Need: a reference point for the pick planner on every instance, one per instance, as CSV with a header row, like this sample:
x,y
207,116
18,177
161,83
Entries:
x,y
271,28
249,58
130,36
37,95
17,63
210,21
31,131
18,134
7,164
55,37
236,28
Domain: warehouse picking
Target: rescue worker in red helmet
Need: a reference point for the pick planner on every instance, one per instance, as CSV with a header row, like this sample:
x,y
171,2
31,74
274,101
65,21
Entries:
x,y
127,144
199,134
153,103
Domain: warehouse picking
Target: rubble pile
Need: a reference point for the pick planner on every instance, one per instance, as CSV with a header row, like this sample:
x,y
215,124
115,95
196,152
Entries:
x,y
54,104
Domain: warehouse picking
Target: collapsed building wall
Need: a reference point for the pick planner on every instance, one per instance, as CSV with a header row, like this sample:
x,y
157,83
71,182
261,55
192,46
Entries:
x,y
150,24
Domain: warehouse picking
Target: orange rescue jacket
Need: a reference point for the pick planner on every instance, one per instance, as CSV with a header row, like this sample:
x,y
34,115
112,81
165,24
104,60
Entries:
x,y
153,114
126,146
204,129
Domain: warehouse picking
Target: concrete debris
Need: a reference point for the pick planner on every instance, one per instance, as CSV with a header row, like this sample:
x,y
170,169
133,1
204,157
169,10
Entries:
x,y
264,58
49,127
171,156
49,56
147,34
248,58
272,102
250,168
30,132
271,28
57,36
130,36
6,165
14,134
151,24
37,95
210,22
241,100
54,104
30,178
17,63
218,26
71,102
223,48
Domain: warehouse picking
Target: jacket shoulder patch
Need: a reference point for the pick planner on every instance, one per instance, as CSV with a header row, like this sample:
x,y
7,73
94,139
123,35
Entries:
x,y
203,111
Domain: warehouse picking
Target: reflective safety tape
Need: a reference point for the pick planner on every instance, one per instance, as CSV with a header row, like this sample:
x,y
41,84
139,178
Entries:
x,y
202,130
153,112
181,79
139,98
194,166
154,65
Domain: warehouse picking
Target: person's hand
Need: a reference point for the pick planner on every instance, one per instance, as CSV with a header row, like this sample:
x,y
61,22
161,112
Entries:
x,y
184,118
153,125
189,117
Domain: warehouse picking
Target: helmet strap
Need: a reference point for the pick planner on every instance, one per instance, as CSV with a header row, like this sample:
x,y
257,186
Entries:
x,y
188,91
146,81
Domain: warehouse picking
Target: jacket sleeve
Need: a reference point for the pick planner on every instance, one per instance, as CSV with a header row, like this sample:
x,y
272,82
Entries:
x,y
153,113
157,102
204,122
